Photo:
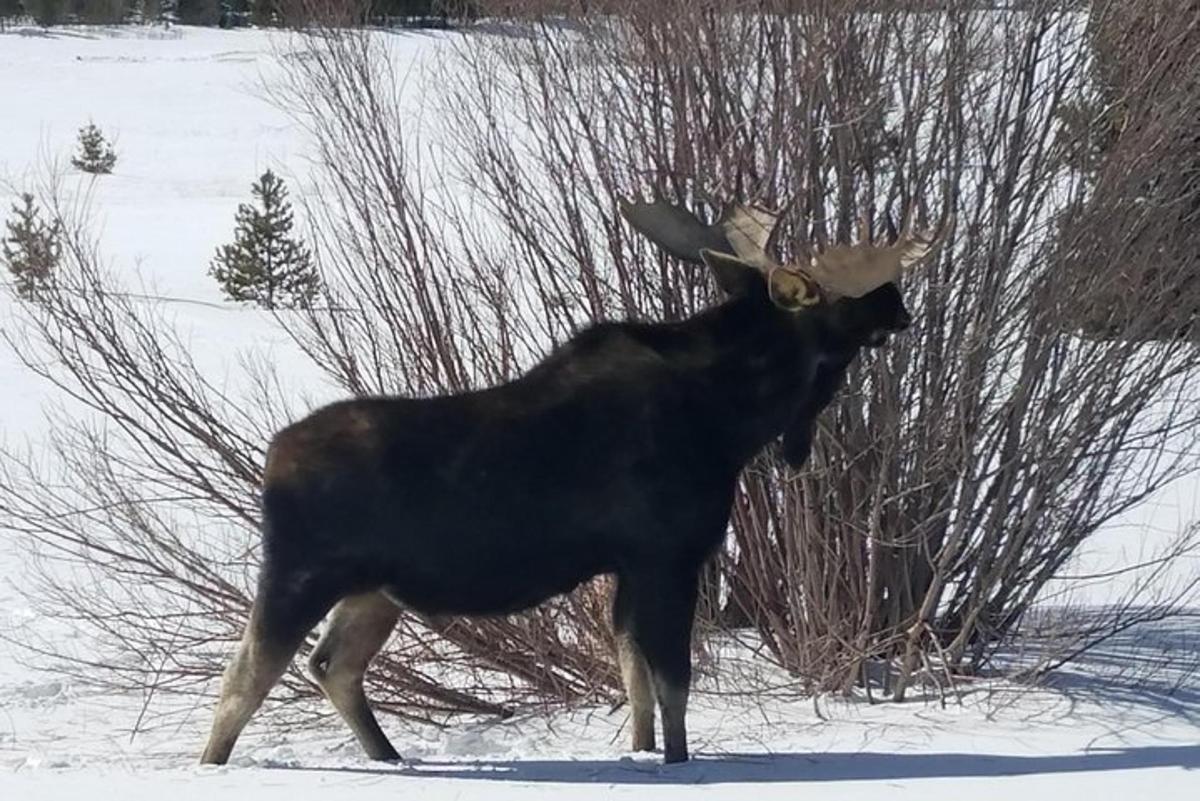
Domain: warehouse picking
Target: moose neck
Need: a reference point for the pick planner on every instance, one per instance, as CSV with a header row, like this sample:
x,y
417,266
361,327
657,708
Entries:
x,y
760,369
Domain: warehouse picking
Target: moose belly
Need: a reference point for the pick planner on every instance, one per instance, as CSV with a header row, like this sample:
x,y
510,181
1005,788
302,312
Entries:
x,y
497,587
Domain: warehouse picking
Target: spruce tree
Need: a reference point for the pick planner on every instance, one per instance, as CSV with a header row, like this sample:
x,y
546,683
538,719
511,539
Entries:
x,y
197,12
95,153
46,12
30,248
10,11
264,264
264,13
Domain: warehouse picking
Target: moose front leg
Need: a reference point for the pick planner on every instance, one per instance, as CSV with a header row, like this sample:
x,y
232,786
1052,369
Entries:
x,y
663,605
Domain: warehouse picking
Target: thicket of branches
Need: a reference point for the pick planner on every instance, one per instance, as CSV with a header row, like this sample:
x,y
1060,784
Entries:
x,y
957,474
232,13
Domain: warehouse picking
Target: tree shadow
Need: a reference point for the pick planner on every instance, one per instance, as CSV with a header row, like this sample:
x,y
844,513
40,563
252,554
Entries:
x,y
787,767
46,33
1154,667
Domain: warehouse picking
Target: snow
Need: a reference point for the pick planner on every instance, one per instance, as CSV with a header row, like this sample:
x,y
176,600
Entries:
x,y
1041,744
193,131
993,743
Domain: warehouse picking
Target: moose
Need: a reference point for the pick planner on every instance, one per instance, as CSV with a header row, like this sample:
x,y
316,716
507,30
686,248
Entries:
x,y
618,454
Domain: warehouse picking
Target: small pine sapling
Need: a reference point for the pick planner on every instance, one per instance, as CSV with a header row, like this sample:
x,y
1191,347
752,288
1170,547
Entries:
x,y
95,154
31,247
264,265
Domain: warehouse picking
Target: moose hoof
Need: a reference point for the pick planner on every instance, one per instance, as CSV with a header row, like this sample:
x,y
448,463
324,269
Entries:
x,y
675,756
385,755
644,743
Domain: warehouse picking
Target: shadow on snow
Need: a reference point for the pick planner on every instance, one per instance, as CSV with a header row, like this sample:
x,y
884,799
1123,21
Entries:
x,y
784,767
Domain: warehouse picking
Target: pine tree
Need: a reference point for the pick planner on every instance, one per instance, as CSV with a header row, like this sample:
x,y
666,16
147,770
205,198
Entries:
x,y
101,12
198,12
46,12
31,248
264,264
95,153
264,13
10,11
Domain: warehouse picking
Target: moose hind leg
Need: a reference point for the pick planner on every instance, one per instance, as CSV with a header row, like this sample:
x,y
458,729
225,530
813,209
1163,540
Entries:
x,y
635,673
276,628
357,629
663,609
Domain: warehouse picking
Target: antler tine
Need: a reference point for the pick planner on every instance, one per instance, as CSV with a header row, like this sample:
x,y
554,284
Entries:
x,y
909,223
946,224
819,235
749,228
893,235
914,246
864,229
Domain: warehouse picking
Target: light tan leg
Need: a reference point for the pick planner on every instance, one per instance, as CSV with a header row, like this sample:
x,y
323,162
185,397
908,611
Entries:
x,y
639,690
358,628
258,664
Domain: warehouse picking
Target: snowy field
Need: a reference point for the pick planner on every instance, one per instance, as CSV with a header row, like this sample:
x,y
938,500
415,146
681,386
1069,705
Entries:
x,y
192,132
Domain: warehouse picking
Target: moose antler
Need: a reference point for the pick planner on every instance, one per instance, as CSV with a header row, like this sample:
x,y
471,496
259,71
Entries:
x,y
854,270
675,230
744,231
749,230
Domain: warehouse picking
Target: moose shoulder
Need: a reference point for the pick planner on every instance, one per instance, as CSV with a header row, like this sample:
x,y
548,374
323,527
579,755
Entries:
x,y
618,453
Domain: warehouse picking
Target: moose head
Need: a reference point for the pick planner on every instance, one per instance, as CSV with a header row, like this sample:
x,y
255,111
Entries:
x,y
855,284
828,306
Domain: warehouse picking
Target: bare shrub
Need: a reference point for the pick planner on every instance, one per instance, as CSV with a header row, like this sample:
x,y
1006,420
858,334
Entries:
x,y
961,468
142,514
1142,120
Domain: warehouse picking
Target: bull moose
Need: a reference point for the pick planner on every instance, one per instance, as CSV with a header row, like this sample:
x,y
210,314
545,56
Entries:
x,y
617,454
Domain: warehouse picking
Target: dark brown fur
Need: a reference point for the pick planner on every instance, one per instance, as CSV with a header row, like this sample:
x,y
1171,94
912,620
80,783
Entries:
x,y
617,454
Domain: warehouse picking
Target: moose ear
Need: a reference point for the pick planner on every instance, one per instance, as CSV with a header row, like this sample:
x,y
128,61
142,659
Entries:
x,y
735,276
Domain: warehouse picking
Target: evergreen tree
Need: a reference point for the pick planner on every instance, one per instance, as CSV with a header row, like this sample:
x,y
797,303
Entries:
x,y
101,12
264,13
30,248
10,10
164,11
264,264
46,12
95,153
198,12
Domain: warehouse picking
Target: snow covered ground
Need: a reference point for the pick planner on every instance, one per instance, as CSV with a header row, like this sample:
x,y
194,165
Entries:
x,y
1081,738
193,131
1042,746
